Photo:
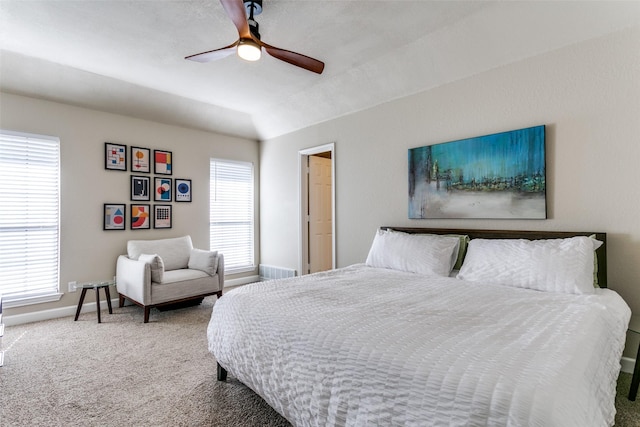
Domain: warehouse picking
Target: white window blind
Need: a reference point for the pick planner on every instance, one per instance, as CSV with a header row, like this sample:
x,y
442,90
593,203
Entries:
x,y
29,217
231,214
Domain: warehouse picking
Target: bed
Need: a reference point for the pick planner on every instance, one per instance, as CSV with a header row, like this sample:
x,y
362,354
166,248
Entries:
x,y
438,327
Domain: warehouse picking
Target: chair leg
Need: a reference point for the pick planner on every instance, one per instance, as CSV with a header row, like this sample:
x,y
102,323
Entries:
x,y
146,314
120,300
219,293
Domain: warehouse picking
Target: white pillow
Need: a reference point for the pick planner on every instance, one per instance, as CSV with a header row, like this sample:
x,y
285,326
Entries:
x,y
157,266
552,265
416,253
206,261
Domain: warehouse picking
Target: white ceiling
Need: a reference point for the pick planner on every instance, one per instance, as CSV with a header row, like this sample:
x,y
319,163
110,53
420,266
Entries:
x,y
127,57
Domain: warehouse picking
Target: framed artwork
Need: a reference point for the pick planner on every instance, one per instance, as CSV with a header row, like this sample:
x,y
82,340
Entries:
x,y
162,216
162,191
140,160
114,216
494,176
140,217
115,156
162,162
140,188
182,190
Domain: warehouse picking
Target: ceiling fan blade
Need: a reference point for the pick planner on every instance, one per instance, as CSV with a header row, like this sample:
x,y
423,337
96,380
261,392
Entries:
x,y
238,14
248,34
212,55
294,58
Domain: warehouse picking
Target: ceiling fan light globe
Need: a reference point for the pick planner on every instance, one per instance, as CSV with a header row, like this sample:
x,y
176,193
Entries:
x,y
249,50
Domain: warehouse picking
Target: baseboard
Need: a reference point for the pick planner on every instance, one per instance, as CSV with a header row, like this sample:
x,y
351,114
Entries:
x,y
54,313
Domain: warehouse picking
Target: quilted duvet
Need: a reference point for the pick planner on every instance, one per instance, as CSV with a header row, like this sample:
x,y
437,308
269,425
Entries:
x,y
362,346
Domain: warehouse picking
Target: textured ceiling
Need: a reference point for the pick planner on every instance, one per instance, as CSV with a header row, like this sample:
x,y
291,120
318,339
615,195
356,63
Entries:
x,y
127,57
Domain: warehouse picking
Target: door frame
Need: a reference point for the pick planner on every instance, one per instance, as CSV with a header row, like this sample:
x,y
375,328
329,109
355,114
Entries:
x,y
303,191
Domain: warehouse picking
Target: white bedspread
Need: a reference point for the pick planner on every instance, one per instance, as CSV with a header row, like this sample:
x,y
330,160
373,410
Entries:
x,y
364,346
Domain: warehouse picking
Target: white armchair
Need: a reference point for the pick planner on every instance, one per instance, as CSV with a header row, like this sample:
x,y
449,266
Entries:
x,y
156,273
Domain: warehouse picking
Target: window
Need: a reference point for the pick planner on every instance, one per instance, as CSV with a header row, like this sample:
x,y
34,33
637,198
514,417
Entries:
x,y
231,215
29,218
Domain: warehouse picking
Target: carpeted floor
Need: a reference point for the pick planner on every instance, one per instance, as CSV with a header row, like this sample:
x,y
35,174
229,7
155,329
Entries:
x,y
124,372
628,414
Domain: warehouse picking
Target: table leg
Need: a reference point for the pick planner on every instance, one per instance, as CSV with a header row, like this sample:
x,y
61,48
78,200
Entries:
x,y
98,303
84,292
633,391
108,294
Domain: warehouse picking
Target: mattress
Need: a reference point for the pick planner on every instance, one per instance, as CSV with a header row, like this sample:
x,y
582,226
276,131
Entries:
x,y
369,346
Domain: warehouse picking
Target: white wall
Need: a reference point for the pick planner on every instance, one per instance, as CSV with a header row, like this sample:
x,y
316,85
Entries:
x,y
86,251
588,95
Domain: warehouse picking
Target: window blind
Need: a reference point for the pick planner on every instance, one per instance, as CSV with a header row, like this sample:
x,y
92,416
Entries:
x,y
231,223
29,215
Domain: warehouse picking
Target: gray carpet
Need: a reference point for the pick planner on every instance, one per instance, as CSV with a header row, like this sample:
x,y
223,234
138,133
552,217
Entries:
x,y
124,372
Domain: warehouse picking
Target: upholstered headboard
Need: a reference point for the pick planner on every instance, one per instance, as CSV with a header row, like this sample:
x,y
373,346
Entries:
x,y
601,252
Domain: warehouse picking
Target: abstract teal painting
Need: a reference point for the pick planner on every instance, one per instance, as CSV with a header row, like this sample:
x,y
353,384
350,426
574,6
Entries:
x,y
490,177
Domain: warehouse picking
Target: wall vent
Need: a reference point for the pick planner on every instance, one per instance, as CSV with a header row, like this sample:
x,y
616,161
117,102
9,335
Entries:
x,y
270,272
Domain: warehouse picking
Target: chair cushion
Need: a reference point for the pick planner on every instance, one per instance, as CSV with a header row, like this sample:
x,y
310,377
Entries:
x,y
174,252
183,275
183,283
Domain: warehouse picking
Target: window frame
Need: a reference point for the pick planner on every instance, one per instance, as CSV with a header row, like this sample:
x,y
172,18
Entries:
x,y
249,210
45,293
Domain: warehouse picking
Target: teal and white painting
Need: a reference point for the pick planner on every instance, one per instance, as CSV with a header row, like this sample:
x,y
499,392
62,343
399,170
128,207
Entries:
x,y
495,176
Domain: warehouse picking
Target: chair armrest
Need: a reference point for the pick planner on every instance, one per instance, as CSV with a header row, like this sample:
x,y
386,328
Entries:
x,y
133,279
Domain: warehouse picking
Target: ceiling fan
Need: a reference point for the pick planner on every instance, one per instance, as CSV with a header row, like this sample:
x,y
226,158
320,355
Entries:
x,y
249,46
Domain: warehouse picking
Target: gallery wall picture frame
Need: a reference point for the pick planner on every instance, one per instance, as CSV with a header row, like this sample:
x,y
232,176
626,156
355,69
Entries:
x,y
162,190
140,188
115,216
140,217
115,156
162,162
182,190
140,160
162,216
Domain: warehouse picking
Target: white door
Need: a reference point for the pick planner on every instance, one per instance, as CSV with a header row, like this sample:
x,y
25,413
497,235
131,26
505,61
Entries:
x,y
320,214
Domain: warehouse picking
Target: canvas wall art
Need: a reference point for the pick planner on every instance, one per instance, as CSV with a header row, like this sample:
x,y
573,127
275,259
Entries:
x,y
497,176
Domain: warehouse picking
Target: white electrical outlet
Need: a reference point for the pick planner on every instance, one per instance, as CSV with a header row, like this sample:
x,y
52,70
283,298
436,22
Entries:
x,y
72,286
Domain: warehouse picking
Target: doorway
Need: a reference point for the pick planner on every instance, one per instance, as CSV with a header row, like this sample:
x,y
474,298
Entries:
x,y
317,209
